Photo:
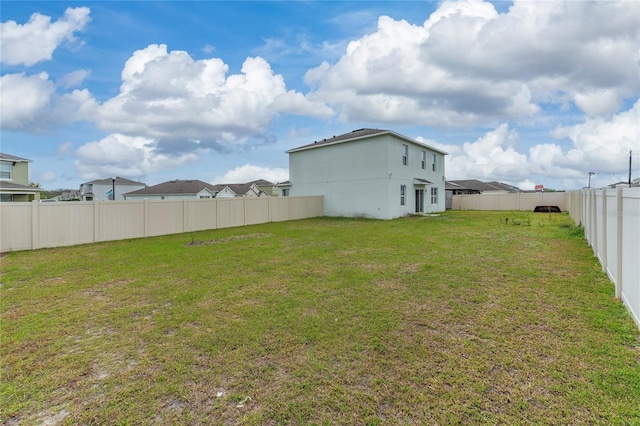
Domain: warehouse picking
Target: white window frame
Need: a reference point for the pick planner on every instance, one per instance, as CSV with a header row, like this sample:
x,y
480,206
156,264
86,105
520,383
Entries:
x,y
424,160
403,195
9,170
434,195
405,155
6,198
285,192
433,162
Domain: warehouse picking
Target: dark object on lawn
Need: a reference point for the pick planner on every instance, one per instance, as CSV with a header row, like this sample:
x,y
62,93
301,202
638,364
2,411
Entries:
x,y
547,209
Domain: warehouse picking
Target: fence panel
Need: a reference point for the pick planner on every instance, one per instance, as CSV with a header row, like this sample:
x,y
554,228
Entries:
x,y
119,220
16,226
631,250
256,210
35,225
201,215
66,224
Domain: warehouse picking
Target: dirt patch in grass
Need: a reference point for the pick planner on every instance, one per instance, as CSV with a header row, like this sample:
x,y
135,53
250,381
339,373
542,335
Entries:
x,y
198,243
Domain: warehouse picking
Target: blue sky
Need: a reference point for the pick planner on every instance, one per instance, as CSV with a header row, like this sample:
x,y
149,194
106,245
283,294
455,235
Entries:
x,y
520,92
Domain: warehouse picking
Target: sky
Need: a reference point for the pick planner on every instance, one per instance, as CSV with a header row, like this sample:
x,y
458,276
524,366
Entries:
x,y
520,92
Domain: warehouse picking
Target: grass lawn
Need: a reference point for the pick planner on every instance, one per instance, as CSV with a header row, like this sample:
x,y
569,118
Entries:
x,y
461,318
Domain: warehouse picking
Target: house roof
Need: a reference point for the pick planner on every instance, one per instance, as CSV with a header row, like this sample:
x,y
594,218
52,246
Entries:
x,y
262,182
119,181
477,185
238,188
358,135
10,157
16,187
173,187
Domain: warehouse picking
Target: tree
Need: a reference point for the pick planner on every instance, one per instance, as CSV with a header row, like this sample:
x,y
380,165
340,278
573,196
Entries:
x,y
35,184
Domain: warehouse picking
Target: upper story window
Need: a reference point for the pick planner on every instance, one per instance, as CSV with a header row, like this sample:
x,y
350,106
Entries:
x,y
6,170
424,160
433,162
405,154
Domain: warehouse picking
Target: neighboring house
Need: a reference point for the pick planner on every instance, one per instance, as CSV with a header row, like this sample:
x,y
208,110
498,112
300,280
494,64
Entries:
x,y
284,188
14,180
265,186
474,186
102,189
249,189
70,195
174,189
370,173
634,183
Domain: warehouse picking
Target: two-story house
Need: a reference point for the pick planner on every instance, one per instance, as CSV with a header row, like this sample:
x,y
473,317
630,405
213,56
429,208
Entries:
x,y
14,180
370,173
108,189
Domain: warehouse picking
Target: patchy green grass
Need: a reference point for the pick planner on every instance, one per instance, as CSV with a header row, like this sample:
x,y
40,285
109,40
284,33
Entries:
x,y
461,318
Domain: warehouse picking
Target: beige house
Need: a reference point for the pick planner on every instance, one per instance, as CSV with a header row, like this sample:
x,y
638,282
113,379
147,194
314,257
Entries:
x,y
14,180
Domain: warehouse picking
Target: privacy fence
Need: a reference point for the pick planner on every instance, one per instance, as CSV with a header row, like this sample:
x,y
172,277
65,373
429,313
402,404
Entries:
x,y
611,221
515,201
36,225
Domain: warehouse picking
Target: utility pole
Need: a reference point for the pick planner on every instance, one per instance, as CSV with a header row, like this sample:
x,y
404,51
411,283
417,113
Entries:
x,y
630,167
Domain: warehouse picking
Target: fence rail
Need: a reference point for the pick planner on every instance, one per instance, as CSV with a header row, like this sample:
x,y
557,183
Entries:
x,y
27,226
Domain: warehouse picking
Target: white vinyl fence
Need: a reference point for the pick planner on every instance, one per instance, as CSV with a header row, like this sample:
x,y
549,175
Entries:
x,y
512,201
611,220
27,226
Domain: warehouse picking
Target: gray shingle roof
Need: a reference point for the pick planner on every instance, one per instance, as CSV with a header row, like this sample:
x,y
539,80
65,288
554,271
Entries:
x,y
16,186
356,134
477,185
119,181
172,187
10,157
360,134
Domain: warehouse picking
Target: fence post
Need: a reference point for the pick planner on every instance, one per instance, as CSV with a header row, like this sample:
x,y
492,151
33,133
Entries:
x,y
145,218
96,221
594,229
35,225
603,222
619,248
185,225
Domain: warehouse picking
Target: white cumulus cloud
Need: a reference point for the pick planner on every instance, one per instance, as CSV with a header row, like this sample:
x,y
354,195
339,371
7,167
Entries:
x,y
124,155
35,41
179,101
250,172
31,103
469,65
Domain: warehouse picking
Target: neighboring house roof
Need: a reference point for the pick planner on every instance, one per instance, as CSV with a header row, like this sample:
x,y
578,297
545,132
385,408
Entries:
x,y
16,187
9,157
476,185
449,185
119,181
240,188
634,183
262,182
175,187
358,135
284,183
